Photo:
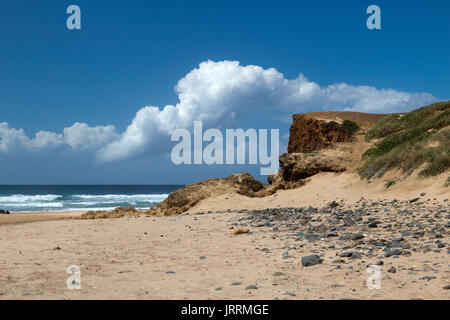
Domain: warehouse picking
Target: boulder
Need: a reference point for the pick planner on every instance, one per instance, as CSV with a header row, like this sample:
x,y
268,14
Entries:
x,y
298,166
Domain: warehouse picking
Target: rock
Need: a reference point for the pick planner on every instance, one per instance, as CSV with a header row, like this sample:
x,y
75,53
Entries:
x,y
349,222
428,278
309,133
170,272
333,204
446,287
312,260
338,261
251,287
346,254
332,234
202,257
185,198
373,224
240,231
357,236
4,211
116,213
393,252
356,255
392,270
298,166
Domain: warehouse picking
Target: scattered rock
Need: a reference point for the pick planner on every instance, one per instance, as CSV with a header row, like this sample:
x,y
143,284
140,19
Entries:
x,y
428,278
312,260
392,270
251,287
393,252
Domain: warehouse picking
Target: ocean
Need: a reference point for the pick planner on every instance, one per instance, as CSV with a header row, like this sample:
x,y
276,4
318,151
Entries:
x,y
20,198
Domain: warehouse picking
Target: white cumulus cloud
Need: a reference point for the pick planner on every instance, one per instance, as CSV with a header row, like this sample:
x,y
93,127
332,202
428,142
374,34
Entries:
x,y
215,92
79,137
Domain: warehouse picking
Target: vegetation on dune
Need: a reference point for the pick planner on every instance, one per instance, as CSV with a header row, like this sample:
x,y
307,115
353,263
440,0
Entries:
x,y
390,183
346,125
350,126
409,140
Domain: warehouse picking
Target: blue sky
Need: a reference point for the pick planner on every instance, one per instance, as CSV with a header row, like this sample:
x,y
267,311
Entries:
x,y
131,54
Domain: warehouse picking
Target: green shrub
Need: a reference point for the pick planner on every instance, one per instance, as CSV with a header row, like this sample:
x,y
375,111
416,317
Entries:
x,y
404,141
390,183
350,125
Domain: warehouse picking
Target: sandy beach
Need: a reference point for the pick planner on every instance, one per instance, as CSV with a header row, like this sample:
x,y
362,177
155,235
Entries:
x,y
194,256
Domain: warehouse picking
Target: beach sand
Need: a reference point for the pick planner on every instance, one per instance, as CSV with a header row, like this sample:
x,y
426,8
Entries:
x,y
194,256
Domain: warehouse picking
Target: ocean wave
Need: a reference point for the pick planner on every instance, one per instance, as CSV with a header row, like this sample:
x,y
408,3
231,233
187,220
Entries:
x,y
34,205
77,202
18,198
122,197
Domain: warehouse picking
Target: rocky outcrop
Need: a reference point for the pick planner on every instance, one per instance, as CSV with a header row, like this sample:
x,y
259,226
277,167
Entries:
x,y
321,142
116,213
185,198
297,166
309,135
4,211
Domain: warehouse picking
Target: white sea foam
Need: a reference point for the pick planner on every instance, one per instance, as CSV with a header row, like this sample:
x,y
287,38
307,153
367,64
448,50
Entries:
x,y
17,198
79,202
34,204
123,197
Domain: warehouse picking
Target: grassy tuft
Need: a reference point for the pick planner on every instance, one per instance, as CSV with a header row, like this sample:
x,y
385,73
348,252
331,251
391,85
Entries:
x,y
409,140
390,183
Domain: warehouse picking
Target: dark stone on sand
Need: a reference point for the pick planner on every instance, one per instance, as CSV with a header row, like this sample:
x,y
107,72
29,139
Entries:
x,y
346,254
312,260
251,287
428,278
393,252
392,270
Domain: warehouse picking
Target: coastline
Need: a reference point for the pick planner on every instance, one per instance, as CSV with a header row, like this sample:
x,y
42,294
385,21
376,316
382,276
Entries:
x,y
27,217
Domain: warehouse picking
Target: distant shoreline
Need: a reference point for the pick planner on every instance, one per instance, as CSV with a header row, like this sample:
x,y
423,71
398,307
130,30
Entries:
x,y
25,217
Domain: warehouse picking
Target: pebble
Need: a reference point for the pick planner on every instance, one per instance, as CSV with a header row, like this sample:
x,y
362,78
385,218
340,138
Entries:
x,y
252,287
392,270
312,260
